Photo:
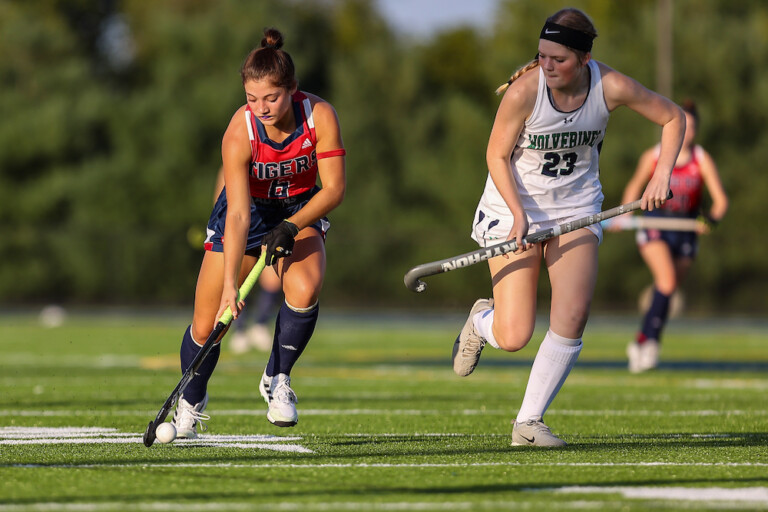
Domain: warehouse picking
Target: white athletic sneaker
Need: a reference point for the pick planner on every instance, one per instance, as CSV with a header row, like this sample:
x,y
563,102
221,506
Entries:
x,y
239,343
187,416
282,400
260,337
469,344
264,386
534,433
643,356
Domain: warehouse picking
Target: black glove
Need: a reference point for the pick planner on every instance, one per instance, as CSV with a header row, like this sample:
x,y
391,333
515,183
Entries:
x,y
280,241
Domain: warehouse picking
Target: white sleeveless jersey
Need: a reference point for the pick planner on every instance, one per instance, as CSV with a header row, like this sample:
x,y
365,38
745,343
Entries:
x,y
555,162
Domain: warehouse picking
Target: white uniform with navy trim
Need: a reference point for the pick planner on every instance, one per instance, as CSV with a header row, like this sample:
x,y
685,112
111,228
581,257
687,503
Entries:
x,y
555,166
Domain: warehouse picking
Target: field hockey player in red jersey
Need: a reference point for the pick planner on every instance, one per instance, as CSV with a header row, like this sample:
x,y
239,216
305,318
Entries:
x,y
261,309
274,150
542,160
670,254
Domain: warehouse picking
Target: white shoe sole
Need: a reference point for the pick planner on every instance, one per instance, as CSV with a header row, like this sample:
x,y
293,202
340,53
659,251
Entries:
x,y
284,422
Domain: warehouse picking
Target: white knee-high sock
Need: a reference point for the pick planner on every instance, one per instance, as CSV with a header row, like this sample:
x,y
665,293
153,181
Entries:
x,y
551,367
484,326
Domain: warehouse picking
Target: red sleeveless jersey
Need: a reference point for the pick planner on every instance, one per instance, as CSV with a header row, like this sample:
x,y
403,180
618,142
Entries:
x,y
288,168
686,186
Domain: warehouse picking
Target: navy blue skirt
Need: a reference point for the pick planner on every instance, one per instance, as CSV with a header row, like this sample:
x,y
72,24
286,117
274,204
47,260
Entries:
x,y
266,214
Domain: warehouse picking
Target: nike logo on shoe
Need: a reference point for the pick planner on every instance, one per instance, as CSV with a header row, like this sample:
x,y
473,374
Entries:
x,y
531,440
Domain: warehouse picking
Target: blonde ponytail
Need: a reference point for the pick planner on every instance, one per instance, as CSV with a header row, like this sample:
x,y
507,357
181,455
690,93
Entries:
x,y
503,87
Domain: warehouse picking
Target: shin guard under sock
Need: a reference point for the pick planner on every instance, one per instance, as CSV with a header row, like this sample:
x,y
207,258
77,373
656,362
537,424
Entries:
x,y
292,333
196,389
553,363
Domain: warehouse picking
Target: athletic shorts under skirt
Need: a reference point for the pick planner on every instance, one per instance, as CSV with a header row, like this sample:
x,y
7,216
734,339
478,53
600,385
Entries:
x,y
490,230
266,214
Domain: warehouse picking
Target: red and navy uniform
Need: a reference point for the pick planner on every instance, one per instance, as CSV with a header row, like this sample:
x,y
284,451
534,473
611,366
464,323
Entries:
x,y
282,177
686,184
288,168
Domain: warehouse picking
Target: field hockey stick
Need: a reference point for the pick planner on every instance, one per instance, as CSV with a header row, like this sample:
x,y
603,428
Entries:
x,y
661,223
224,320
413,277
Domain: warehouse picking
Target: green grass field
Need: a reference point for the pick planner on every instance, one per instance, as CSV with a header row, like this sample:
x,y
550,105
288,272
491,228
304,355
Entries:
x,y
384,425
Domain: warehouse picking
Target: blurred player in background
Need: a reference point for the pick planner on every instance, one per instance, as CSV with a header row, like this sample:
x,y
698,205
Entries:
x,y
543,170
274,150
256,334
669,254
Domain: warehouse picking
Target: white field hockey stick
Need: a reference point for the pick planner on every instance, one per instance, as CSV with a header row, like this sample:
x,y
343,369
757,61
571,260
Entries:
x,y
224,320
413,277
662,223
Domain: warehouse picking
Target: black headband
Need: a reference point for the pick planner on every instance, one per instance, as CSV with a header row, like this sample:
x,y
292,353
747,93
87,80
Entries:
x,y
572,38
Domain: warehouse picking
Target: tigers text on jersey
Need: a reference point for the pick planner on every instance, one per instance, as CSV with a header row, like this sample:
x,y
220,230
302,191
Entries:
x,y
288,168
555,161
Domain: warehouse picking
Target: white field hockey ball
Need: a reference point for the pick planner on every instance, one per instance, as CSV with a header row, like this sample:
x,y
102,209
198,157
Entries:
x,y
165,433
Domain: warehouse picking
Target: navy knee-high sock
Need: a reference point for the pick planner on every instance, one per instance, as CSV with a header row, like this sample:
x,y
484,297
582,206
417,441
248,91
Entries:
x,y
195,390
655,317
292,333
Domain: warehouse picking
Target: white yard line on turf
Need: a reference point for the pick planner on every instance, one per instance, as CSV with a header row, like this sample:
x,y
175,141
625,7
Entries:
x,y
293,448
16,436
751,384
32,434
393,465
479,505
389,412
740,494
301,506
72,360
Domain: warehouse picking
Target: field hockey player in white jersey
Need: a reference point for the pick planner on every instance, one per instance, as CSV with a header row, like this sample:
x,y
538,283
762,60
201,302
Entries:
x,y
542,160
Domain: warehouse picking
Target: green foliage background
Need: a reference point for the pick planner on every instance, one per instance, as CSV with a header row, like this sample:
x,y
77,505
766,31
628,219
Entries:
x,y
108,159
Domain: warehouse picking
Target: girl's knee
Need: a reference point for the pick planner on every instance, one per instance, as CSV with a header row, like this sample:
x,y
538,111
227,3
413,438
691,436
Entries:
x,y
301,298
570,323
512,338
666,287
301,293
200,334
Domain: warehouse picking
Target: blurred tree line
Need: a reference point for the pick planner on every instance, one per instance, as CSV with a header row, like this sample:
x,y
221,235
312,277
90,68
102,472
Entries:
x,y
113,112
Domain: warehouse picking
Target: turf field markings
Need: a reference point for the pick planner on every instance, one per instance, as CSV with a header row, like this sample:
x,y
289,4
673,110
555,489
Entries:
x,y
484,411
44,432
756,384
743,494
646,412
283,506
15,436
422,434
392,412
398,465
58,360
518,504
461,434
